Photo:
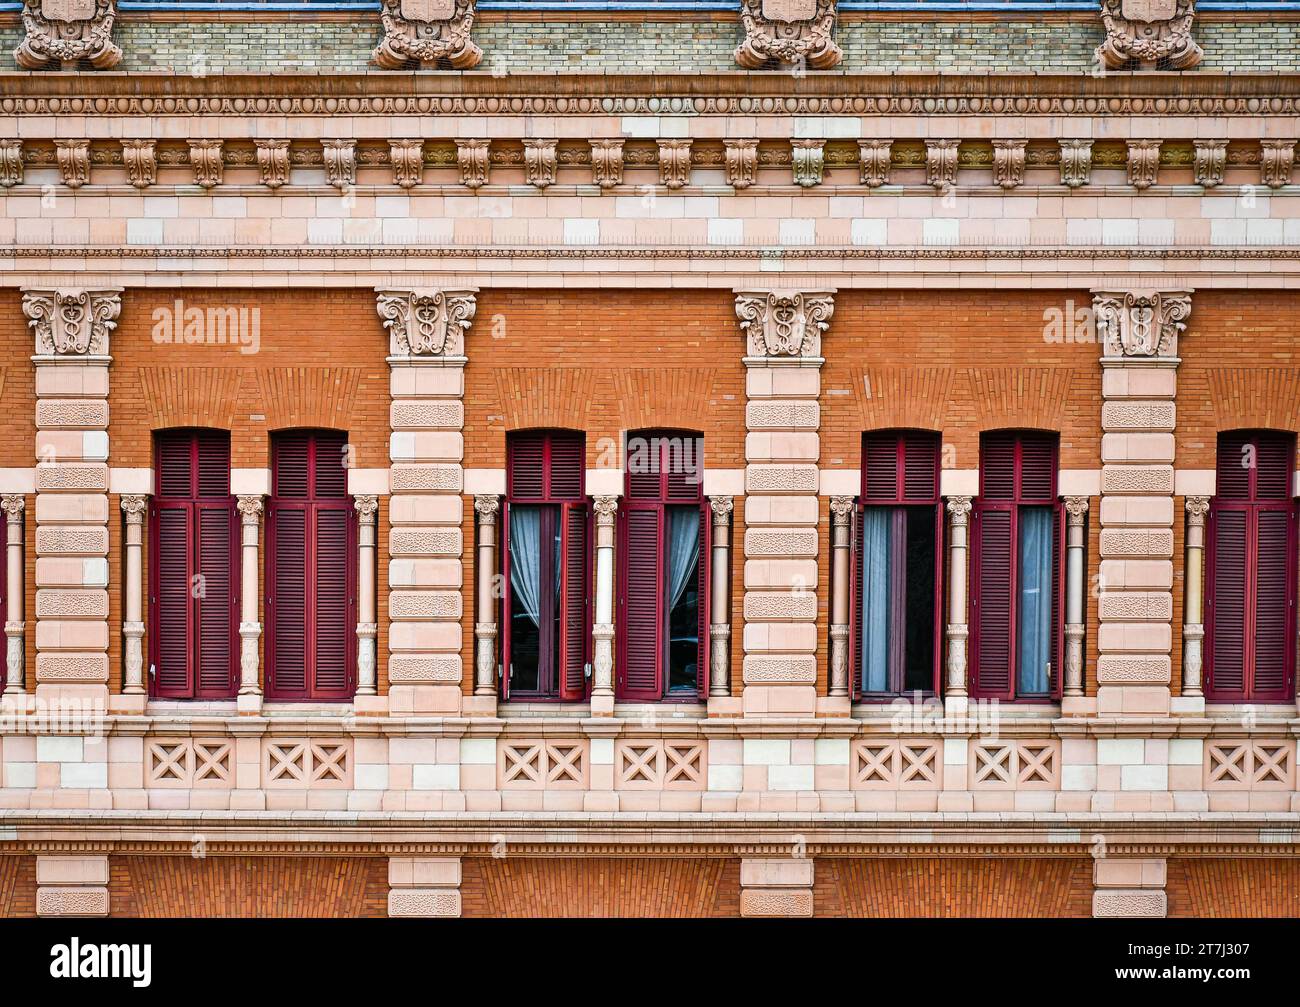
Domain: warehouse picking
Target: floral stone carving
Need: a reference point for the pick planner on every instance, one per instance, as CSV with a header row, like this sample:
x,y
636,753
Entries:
x,y
67,32
1141,323
72,322
427,323
782,323
788,31
425,32
1151,33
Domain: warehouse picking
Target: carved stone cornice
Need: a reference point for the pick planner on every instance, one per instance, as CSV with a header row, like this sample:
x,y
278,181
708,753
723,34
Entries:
x,y
141,162
1141,323
340,162
472,159
789,32
1154,34
875,161
606,162
68,32
427,32
741,158
784,323
135,506
72,322
426,323
1076,162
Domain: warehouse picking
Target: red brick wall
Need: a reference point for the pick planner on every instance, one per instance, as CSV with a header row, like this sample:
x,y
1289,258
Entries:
x,y
172,886
953,887
545,887
1237,886
17,886
17,385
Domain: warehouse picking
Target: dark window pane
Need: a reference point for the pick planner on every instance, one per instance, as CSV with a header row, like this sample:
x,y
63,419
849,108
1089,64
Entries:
x,y
918,650
682,594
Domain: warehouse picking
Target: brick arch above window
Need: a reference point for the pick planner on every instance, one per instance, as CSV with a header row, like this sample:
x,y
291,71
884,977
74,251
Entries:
x,y
1012,397
1261,398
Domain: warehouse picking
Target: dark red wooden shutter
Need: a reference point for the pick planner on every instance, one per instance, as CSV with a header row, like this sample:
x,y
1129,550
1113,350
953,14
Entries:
x,y
292,466
1233,467
1037,467
920,467
573,605
213,456
566,466
1273,466
643,616
175,461
331,631
1274,642
215,601
526,465
994,583
998,466
287,528
1228,604
882,466
684,457
171,601
329,470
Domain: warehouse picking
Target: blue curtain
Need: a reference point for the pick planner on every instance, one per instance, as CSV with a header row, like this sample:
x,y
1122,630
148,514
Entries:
x,y
683,550
525,559
1035,600
876,524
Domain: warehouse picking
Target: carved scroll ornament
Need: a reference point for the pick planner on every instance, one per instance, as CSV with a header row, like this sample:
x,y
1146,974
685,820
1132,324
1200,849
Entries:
x,y
1150,33
790,32
784,323
427,31
72,322
1141,323
68,31
427,323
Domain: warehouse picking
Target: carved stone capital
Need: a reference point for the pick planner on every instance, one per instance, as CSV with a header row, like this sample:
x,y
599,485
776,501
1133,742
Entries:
x,y
250,509
875,161
367,507
472,159
11,163
606,162
605,508
487,507
1009,162
540,162
741,158
1277,158
1197,509
1211,160
1151,34
941,163
1076,509
1141,323
427,32
407,160
674,163
809,158
784,324
141,162
841,511
273,162
1076,162
73,157
68,32
959,511
789,32
722,506
205,159
72,322
13,506
340,162
1143,163
134,507
426,323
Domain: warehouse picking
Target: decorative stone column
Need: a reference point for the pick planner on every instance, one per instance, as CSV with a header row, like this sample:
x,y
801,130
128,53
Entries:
x,y
1139,332
1076,511
426,330
134,506
1129,887
841,574
13,505
424,886
959,508
72,327
720,601
783,331
1194,599
485,618
367,506
776,886
602,671
250,625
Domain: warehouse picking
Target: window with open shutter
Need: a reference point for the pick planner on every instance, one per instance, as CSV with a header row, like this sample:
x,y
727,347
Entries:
x,y
663,570
897,567
1251,570
546,643
1016,569
311,569
194,576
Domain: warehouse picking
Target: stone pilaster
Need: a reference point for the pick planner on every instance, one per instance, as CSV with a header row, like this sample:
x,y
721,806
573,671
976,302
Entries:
x,y
1129,887
1192,699
486,631
367,507
841,579
783,331
426,331
134,508
424,886
1076,513
776,886
602,665
1138,330
72,886
721,507
72,329
250,625
958,627
13,506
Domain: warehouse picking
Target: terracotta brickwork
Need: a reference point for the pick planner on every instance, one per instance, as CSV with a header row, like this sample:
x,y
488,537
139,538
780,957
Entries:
x,y
604,887
920,886
1222,887
17,886
327,887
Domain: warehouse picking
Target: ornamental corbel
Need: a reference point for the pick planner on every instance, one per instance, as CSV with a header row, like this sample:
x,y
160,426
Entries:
x,y
540,162
72,322
741,157
1148,35
141,162
1009,163
427,32
784,324
1143,163
1141,323
674,163
790,32
68,32
73,157
426,323
1210,161
207,162
407,159
472,159
1277,158
809,158
273,162
875,159
941,163
11,162
1076,162
606,162
340,162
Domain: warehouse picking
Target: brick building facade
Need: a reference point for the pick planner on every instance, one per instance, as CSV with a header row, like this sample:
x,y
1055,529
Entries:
x,y
664,462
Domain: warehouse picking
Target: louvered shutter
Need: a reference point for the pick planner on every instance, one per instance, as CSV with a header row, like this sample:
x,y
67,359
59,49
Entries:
x,y
331,631
566,466
704,600
287,530
526,460
998,466
643,616
1227,606
1232,467
1273,466
920,467
1274,642
994,584
175,461
292,465
573,605
171,638
215,601
882,467
1037,468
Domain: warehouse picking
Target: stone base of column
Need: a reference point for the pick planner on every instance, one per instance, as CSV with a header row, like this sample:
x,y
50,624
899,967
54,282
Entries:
x,y
1129,887
776,887
834,706
424,887
72,886
726,706
1078,706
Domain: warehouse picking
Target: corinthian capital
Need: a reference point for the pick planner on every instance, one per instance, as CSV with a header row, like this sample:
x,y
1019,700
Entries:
x,y
67,32
784,323
1141,323
72,322
426,323
134,506
959,509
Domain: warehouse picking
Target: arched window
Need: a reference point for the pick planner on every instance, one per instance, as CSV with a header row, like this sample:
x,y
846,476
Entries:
x,y
193,568
546,649
311,569
899,565
1251,570
1016,574
663,570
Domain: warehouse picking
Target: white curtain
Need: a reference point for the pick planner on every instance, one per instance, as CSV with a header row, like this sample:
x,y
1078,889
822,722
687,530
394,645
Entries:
x,y
876,522
525,559
1035,600
683,551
